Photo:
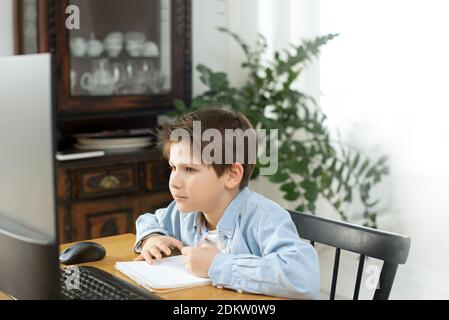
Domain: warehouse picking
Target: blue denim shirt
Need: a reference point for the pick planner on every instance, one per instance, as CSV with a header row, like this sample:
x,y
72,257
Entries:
x,y
263,252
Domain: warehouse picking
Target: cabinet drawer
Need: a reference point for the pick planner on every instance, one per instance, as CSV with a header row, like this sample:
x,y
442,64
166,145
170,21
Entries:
x,y
104,218
157,175
102,182
96,218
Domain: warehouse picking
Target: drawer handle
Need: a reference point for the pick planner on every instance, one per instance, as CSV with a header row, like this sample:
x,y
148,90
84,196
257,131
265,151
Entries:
x,y
110,182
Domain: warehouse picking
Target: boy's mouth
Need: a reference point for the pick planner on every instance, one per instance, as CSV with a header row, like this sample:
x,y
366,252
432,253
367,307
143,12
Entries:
x,y
179,198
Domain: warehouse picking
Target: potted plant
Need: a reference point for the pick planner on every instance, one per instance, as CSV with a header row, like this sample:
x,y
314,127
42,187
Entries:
x,y
311,163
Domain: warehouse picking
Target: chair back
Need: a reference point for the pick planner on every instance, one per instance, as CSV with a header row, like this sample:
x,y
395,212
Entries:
x,y
391,248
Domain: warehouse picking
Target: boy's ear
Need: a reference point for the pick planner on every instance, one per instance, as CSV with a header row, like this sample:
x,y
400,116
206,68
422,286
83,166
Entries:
x,y
234,175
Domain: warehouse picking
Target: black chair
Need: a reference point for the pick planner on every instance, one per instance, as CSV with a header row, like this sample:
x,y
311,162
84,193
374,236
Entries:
x,y
391,248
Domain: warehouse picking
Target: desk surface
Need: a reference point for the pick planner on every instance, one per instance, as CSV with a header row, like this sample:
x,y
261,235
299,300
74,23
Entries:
x,y
119,248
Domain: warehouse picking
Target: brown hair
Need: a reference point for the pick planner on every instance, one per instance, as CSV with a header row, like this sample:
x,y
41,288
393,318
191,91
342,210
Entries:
x,y
212,118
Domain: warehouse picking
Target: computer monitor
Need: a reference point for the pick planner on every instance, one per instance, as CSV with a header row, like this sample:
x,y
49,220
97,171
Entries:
x,y
29,251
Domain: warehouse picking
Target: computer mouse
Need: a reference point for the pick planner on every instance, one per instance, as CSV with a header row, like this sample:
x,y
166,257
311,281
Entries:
x,y
82,252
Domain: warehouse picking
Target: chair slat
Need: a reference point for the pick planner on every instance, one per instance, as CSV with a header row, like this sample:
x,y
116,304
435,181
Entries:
x,y
359,277
385,281
335,273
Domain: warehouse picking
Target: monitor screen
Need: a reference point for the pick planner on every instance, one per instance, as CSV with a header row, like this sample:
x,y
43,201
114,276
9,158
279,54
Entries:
x,y
28,223
26,143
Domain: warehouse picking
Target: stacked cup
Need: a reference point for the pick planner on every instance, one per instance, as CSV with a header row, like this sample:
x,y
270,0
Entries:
x,y
113,44
135,43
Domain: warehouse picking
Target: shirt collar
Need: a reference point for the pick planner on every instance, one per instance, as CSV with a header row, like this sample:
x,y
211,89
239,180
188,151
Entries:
x,y
229,218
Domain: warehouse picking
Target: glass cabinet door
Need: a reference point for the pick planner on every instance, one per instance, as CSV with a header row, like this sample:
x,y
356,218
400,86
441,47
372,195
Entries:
x,y
121,48
26,33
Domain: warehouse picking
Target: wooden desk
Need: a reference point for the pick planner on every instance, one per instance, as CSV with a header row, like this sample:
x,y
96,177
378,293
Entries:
x,y
119,248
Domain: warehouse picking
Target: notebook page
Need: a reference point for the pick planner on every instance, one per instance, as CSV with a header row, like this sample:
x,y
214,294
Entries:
x,y
164,274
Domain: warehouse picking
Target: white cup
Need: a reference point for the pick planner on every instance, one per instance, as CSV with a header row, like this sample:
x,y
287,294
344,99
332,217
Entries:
x,y
135,37
94,47
150,50
78,47
134,49
73,78
114,37
113,48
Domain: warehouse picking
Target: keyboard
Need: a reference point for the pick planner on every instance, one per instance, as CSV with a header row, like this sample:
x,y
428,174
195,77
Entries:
x,y
89,283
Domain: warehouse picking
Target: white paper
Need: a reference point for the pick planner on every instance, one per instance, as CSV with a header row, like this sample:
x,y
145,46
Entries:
x,y
164,274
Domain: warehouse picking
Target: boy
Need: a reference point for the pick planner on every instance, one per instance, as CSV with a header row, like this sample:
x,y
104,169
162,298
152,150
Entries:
x,y
234,236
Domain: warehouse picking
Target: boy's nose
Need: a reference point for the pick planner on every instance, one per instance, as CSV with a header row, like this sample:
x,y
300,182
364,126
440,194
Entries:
x,y
175,181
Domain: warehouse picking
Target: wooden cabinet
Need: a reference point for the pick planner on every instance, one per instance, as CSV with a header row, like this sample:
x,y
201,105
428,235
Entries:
x,y
104,218
121,67
144,62
104,198
118,56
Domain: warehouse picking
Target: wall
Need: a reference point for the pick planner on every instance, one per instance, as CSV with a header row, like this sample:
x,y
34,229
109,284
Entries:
x,y
214,48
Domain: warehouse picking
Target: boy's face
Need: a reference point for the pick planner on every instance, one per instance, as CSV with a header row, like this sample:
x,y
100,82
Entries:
x,y
194,187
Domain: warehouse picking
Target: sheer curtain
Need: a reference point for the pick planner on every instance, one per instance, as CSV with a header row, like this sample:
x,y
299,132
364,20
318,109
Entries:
x,y
281,22
384,83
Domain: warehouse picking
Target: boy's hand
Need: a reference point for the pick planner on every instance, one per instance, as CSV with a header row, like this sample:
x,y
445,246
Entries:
x,y
154,246
199,259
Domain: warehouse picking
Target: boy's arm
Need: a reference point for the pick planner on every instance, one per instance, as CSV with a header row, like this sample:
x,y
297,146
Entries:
x,y
288,267
162,222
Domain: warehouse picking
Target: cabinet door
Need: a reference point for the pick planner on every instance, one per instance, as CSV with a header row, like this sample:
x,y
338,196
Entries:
x,y
157,175
103,218
153,201
30,26
64,226
124,55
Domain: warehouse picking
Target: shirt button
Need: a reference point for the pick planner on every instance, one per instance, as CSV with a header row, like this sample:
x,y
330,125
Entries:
x,y
219,287
214,284
240,291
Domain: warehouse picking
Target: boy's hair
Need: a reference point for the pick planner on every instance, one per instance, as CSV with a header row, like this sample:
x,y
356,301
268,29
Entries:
x,y
212,118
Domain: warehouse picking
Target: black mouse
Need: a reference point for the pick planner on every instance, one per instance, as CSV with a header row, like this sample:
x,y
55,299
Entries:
x,y
82,252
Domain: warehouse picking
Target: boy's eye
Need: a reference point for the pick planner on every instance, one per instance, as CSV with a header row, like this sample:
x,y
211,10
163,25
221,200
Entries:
x,y
187,169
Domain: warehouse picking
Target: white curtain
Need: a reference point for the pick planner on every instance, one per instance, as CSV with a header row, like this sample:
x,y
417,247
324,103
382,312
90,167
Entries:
x,y
384,82
281,22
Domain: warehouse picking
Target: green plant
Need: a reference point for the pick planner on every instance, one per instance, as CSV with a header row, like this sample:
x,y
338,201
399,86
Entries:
x,y
311,163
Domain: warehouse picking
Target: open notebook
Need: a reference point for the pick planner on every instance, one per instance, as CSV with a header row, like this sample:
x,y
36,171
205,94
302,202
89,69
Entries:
x,y
166,274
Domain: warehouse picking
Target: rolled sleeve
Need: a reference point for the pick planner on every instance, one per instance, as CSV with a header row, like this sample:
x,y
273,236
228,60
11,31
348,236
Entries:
x,y
288,267
161,222
219,263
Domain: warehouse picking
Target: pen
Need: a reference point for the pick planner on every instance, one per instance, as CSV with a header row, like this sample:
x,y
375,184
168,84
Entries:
x,y
203,236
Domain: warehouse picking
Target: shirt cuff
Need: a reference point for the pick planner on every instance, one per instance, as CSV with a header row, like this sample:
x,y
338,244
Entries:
x,y
138,245
220,270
